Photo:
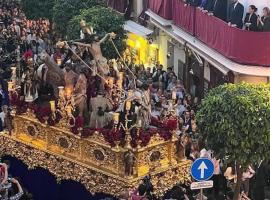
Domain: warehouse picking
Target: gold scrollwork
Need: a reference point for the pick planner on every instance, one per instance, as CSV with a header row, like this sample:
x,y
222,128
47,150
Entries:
x,y
92,161
95,179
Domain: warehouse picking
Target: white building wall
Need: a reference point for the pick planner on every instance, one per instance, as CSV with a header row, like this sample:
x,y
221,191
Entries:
x,y
179,54
162,41
260,4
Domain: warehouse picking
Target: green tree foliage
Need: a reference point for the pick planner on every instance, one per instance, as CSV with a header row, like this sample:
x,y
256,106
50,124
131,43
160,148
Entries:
x,y
103,20
35,9
234,120
65,10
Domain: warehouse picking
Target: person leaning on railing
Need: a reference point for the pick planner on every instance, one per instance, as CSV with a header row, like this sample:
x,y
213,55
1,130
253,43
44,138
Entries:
x,y
193,2
218,8
264,21
251,19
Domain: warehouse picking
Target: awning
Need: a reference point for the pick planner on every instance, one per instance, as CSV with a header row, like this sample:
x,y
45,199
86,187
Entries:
x,y
162,21
138,29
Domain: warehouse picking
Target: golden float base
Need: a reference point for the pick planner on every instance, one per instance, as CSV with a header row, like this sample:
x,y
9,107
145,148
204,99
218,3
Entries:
x,y
92,161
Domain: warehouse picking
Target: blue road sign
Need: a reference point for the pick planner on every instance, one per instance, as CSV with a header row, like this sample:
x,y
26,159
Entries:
x,y
202,169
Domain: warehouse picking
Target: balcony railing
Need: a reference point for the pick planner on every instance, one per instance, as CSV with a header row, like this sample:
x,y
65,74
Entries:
x,y
241,46
161,7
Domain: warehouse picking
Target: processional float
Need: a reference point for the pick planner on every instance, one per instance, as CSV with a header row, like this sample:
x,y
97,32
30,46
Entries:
x,y
110,160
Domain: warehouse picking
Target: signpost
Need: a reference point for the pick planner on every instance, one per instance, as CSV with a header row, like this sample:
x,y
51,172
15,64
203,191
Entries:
x,y
201,185
202,170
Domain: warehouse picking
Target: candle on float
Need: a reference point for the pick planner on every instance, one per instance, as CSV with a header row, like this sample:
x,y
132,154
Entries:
x,y
174,95
69,110
59,61
10,86
116,118
61,91
130,93
111,81
120,84
115,66
128,105
68,92
121,75
13,70
52,104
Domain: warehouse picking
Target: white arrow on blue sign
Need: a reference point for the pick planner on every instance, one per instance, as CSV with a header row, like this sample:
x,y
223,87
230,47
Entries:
x,y
202,169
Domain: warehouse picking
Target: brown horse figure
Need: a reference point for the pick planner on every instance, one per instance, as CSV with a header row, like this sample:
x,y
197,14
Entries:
x,y
50,73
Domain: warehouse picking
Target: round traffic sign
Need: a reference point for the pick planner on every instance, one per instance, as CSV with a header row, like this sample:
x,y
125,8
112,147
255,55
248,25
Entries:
x,y
202,169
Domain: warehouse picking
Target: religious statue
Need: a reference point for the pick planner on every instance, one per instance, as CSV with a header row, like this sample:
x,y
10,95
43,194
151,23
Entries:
x,y
85,31
80,92
8,119
50,73
29,90
92,42
100,107
13,75
129,160
70,76
144,108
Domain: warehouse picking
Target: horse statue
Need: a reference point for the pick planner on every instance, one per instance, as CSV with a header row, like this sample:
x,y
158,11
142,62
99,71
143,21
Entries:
x,y
50,73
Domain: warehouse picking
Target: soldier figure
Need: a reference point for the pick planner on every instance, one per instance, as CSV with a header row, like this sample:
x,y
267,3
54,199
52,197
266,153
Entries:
x,y
129,160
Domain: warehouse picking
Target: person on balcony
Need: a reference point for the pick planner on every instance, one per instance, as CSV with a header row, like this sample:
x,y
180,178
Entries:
x,y
219,8
203,5
236,13
264,21
251,19
194,3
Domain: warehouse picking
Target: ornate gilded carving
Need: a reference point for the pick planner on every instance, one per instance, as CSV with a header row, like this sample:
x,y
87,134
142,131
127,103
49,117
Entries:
x,y
31,130
99,155
92,161
155,156
63,142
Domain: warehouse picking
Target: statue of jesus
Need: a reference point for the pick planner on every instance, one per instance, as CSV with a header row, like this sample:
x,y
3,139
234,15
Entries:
x,y
92,42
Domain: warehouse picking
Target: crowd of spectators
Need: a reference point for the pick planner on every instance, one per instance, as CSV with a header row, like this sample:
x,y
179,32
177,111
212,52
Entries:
x,y
165,86
25,39
20,39
233,14
10,188
18,31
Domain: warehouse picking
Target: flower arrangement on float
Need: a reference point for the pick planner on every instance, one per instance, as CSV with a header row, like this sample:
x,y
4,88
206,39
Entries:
x,y
51,116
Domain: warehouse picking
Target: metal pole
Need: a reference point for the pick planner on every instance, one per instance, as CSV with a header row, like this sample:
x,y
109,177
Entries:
x,y
201,194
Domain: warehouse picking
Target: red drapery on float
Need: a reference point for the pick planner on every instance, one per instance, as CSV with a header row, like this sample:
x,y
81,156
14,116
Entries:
x,y
161,7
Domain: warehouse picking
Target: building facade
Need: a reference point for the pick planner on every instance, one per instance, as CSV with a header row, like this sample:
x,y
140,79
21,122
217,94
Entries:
x,y
203,50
